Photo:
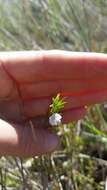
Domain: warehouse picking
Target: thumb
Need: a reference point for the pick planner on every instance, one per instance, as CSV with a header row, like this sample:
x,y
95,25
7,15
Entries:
x,y
21,140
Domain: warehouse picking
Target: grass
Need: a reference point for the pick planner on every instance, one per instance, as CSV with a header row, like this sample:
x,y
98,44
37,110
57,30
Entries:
x,y
78,25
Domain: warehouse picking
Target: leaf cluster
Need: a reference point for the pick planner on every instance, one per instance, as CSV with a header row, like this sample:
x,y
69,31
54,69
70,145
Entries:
x,y
57,104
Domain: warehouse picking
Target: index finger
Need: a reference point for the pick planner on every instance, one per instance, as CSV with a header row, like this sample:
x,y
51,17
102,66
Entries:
x,y
35,66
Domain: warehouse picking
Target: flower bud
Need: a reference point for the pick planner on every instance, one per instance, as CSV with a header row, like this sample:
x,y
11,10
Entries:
x,y
55,119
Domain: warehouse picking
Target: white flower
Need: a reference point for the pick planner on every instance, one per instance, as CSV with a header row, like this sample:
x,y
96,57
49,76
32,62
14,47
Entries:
x,y
55,119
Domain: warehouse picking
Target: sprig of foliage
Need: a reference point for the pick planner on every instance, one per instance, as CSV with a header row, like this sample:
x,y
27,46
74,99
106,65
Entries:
x,y
57,104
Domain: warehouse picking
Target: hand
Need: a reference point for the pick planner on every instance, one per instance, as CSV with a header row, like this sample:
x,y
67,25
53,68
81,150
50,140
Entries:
x,y
29,80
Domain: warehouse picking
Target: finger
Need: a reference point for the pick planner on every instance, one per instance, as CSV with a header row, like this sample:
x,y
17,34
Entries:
x,y
33,66
86,98
67,116
15,111
6,84
32,108
73,115
41,107
51,88
18,140
12,111
19,111
72,101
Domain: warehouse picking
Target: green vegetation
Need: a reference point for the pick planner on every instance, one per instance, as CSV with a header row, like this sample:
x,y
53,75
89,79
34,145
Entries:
x,y
57,104
76,25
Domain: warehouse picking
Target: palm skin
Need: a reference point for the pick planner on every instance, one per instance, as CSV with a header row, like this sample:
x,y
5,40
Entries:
x,y
29,79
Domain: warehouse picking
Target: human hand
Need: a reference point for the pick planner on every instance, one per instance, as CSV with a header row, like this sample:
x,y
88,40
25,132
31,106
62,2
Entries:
x,y
29,80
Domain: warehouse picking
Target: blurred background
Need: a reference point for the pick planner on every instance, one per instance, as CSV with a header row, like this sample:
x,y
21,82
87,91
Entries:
x,y
75,25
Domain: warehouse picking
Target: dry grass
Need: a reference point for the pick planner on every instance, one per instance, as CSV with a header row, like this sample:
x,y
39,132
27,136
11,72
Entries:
x,y
77,25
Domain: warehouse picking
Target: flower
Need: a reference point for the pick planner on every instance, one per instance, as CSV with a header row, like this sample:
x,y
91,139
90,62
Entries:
x,y
55,119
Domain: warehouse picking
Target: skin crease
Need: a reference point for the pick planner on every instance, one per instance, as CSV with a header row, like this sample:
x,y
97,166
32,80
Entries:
x,y
29,80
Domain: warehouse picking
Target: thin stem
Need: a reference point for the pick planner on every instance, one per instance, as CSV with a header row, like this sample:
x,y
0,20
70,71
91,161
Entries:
x,y
33,131
56,173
